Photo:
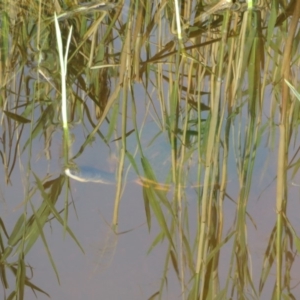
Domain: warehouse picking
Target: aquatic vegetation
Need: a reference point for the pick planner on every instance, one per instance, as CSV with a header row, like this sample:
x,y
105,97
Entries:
x,y
215,84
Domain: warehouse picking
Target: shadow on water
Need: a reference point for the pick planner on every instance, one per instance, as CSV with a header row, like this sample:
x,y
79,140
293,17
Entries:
x,y
189,97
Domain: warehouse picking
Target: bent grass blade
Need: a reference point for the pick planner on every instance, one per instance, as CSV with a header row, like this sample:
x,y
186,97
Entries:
x,y
295,92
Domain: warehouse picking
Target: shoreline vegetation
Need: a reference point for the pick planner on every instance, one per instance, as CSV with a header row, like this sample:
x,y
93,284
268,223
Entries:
x,y
219,80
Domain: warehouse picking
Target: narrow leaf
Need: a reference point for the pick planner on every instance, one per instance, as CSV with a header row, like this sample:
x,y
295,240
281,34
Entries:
x,y
16,117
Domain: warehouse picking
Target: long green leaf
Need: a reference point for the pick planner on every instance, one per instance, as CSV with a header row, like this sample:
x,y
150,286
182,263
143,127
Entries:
x,y
16,117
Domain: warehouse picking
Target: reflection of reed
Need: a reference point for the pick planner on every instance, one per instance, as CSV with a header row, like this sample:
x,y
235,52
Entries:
x,y
208,102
